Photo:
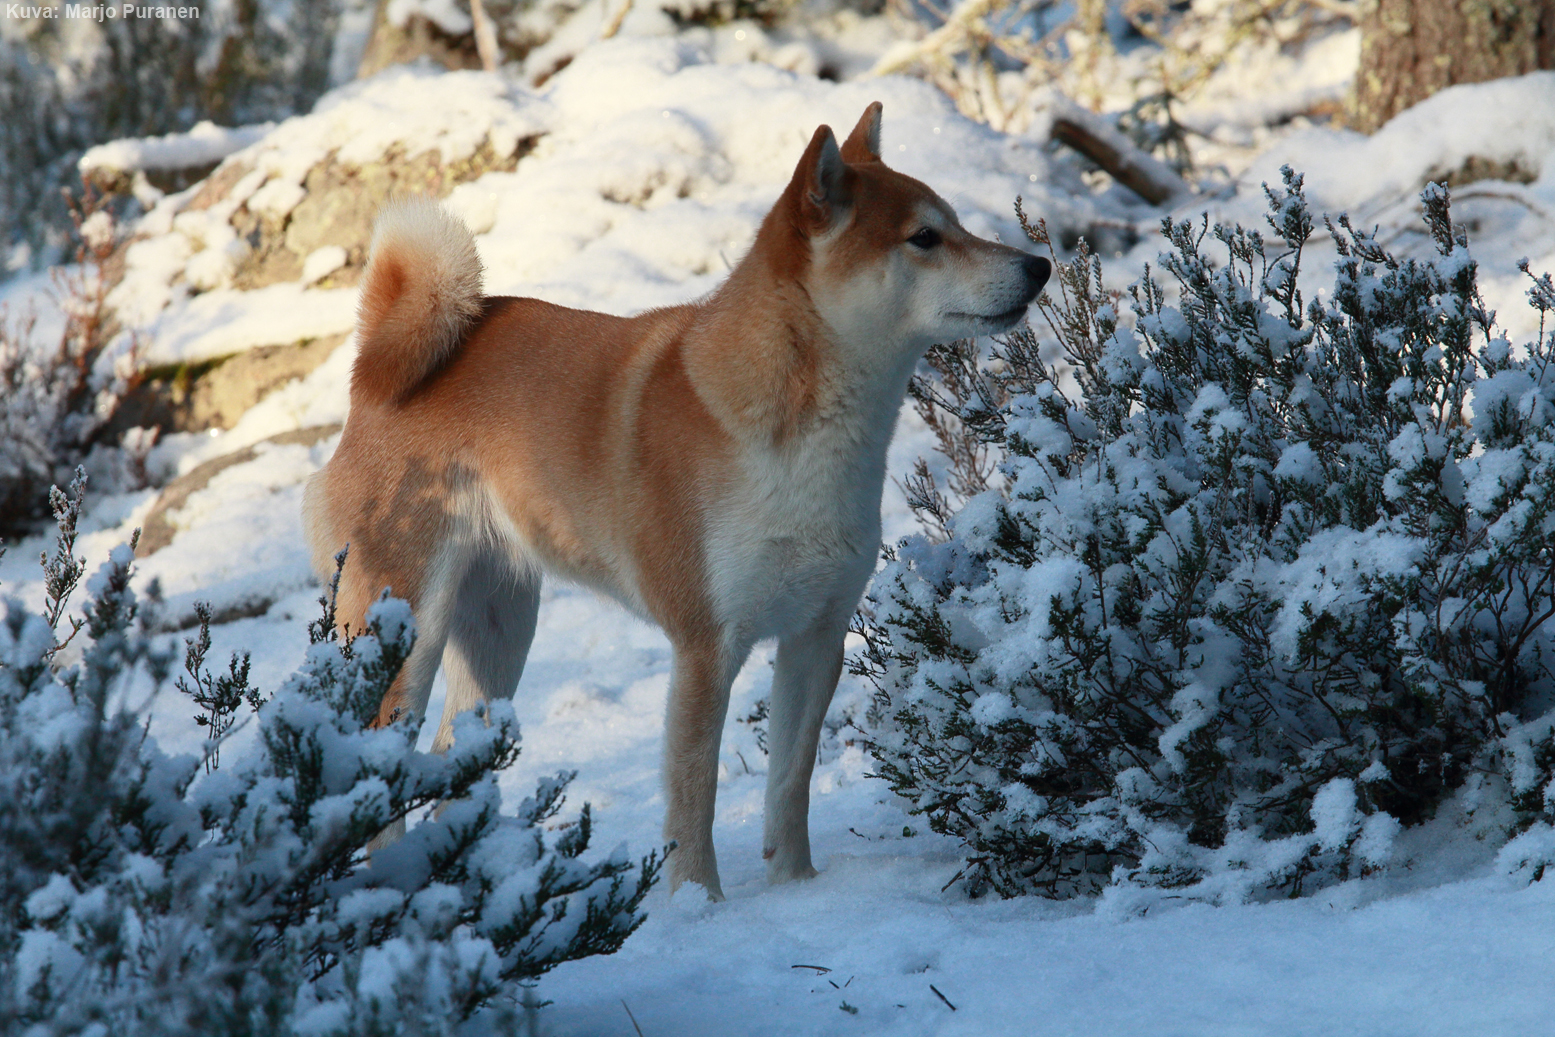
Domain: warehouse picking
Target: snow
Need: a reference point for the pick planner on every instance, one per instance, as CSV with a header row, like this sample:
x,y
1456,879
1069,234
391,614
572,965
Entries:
x,y
1467,957
215,324
1505,120
1334,816
206,143
1269,86
1528,852
443,13
322,262
258,504
658,157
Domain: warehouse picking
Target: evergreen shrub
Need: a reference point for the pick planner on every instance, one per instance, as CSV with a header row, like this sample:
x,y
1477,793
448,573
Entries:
x,y
1264,578
142,893
58,398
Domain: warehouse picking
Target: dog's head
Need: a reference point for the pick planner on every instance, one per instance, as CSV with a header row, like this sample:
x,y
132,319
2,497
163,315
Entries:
x,y
886,259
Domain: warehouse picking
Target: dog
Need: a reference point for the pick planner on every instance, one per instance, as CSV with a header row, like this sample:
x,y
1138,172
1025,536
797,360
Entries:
x,y
716,467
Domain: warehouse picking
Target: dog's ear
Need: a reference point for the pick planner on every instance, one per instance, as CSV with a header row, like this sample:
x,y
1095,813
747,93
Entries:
x,y
825,182
863,144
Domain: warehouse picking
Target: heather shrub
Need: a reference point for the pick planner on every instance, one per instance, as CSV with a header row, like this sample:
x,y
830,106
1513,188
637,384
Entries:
x,y
1265,578
58,395
234,893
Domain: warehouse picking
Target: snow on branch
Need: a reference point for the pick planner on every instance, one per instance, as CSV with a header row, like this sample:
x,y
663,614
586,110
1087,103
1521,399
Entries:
x,y
138,895
1269,575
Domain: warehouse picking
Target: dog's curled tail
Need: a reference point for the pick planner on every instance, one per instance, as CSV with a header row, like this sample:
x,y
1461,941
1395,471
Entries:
x,y
421,293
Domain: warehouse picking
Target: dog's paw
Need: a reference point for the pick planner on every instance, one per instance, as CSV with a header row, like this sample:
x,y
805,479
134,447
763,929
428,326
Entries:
x,y
780,870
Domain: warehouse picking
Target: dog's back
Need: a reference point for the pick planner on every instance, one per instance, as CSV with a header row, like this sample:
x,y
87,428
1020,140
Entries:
x,y
539,436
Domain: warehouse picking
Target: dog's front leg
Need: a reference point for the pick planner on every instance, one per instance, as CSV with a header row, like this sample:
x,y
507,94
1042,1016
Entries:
x,y
808,665
699,700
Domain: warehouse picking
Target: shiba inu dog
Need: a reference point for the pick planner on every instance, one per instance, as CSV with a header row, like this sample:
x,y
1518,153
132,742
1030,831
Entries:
x,y
716,467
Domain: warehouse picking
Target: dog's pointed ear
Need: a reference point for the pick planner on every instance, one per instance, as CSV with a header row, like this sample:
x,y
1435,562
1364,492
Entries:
x,y
825,181
863,144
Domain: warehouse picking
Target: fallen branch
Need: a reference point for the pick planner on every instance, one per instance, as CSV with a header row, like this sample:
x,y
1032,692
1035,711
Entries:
x,y
1097,139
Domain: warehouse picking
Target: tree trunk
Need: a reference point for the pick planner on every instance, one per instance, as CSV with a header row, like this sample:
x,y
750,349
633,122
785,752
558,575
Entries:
x,y
1410,49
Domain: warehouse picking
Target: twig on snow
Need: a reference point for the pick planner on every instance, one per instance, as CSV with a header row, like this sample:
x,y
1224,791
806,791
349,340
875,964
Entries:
x,y
632,1017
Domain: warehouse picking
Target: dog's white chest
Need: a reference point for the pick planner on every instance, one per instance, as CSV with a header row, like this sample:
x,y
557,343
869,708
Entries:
x,y
799,539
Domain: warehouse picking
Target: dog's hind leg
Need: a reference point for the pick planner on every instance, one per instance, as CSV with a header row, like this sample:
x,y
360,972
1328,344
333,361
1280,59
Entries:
x,y
489,634
430,605
808,665
426,586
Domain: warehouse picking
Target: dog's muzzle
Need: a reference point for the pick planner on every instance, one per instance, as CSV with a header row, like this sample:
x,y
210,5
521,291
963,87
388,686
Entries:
x,y
1036,270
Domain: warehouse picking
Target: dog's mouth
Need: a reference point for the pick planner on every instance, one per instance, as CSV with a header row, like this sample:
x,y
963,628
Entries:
x,y
996,320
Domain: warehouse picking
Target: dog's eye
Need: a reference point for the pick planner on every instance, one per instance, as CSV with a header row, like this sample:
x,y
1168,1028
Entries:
x,y
925,239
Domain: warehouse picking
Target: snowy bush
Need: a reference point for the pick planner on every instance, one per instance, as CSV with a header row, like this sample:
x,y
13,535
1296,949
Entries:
x,y
140,895
1265,579
57,396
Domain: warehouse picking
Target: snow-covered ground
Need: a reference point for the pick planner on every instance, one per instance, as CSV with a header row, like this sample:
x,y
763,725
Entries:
x,y
659,155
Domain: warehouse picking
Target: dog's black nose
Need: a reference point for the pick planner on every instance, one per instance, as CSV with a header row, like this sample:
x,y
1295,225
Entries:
x,y
1038,270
